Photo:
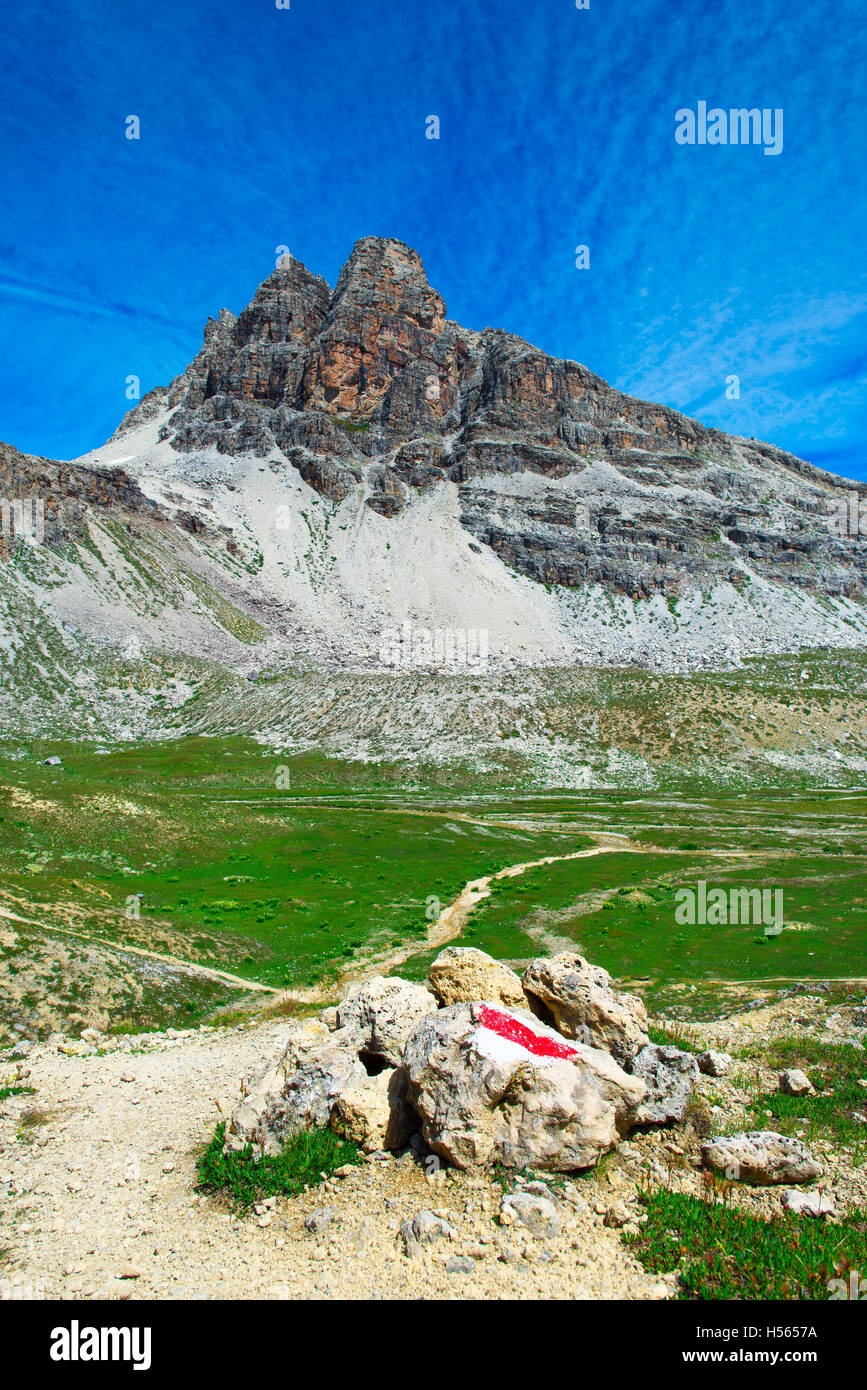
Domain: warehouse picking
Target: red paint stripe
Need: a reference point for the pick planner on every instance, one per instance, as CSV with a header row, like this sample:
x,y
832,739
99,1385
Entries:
x,y
512,1028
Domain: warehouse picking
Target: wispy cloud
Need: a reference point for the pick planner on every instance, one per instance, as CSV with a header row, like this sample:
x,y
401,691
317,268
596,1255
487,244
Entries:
x,y
306,127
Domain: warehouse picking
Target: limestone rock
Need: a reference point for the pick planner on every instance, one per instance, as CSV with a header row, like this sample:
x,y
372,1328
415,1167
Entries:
x,y
424,1229
761,1158
283,1104
579,998
462,974
319,1220
375,1113
493,1084
536,1213
670,1077
712,1063
807,1203
795,1083
381,1013
616,1216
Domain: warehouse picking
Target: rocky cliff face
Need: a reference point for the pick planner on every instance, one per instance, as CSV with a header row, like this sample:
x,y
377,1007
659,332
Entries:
x,y
371,388
349,480
66,491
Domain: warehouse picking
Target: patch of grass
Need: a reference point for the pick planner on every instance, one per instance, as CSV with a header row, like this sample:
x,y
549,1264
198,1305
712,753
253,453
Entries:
x,y
834,1070
33,1118
306,1160
599,1171
704,1239
698,1113
680,1036
7,1091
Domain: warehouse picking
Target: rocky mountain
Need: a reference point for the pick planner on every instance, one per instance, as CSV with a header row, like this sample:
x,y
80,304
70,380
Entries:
x,y
339,476
566,480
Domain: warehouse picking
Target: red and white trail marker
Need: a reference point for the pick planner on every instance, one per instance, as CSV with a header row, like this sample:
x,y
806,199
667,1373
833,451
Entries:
x,y
503,1038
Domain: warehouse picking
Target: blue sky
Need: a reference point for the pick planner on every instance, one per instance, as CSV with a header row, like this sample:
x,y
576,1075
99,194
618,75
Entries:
x,y
306,127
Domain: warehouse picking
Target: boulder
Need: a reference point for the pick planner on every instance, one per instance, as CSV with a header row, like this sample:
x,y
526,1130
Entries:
x,y
712,1063
303,1100
795,1083
670,1077
494,1085
461,974
761,1158
297,1091
379,1015
807,1203
375,1113
579,998
261,1090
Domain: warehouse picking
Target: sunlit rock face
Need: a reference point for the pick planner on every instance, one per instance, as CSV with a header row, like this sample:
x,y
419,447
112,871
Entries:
x,y
568,481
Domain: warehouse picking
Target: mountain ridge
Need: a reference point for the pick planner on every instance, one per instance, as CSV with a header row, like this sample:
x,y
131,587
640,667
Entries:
x,y
335,465
373,377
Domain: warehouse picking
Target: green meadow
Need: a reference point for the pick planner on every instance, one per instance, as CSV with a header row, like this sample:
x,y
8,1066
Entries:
x,y
296,870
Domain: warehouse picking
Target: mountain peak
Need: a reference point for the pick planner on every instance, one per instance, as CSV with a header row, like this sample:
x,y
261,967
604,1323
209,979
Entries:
x,y
385,275
370,391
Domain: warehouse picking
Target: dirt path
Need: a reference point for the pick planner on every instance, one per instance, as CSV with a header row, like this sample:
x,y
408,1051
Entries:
x,y
98,1198
447,926
452,920
100,944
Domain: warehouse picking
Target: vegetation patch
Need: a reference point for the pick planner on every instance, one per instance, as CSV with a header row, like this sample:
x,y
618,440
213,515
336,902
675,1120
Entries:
x,y
7,1091
247,1177
704,1240
838,1108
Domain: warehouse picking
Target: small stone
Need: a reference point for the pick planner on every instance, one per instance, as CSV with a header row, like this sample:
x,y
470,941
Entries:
x,y
459,1264
424,1229
808,1203
761,1157
795,1083
537,1214
616,1216
319,1220
712,1063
